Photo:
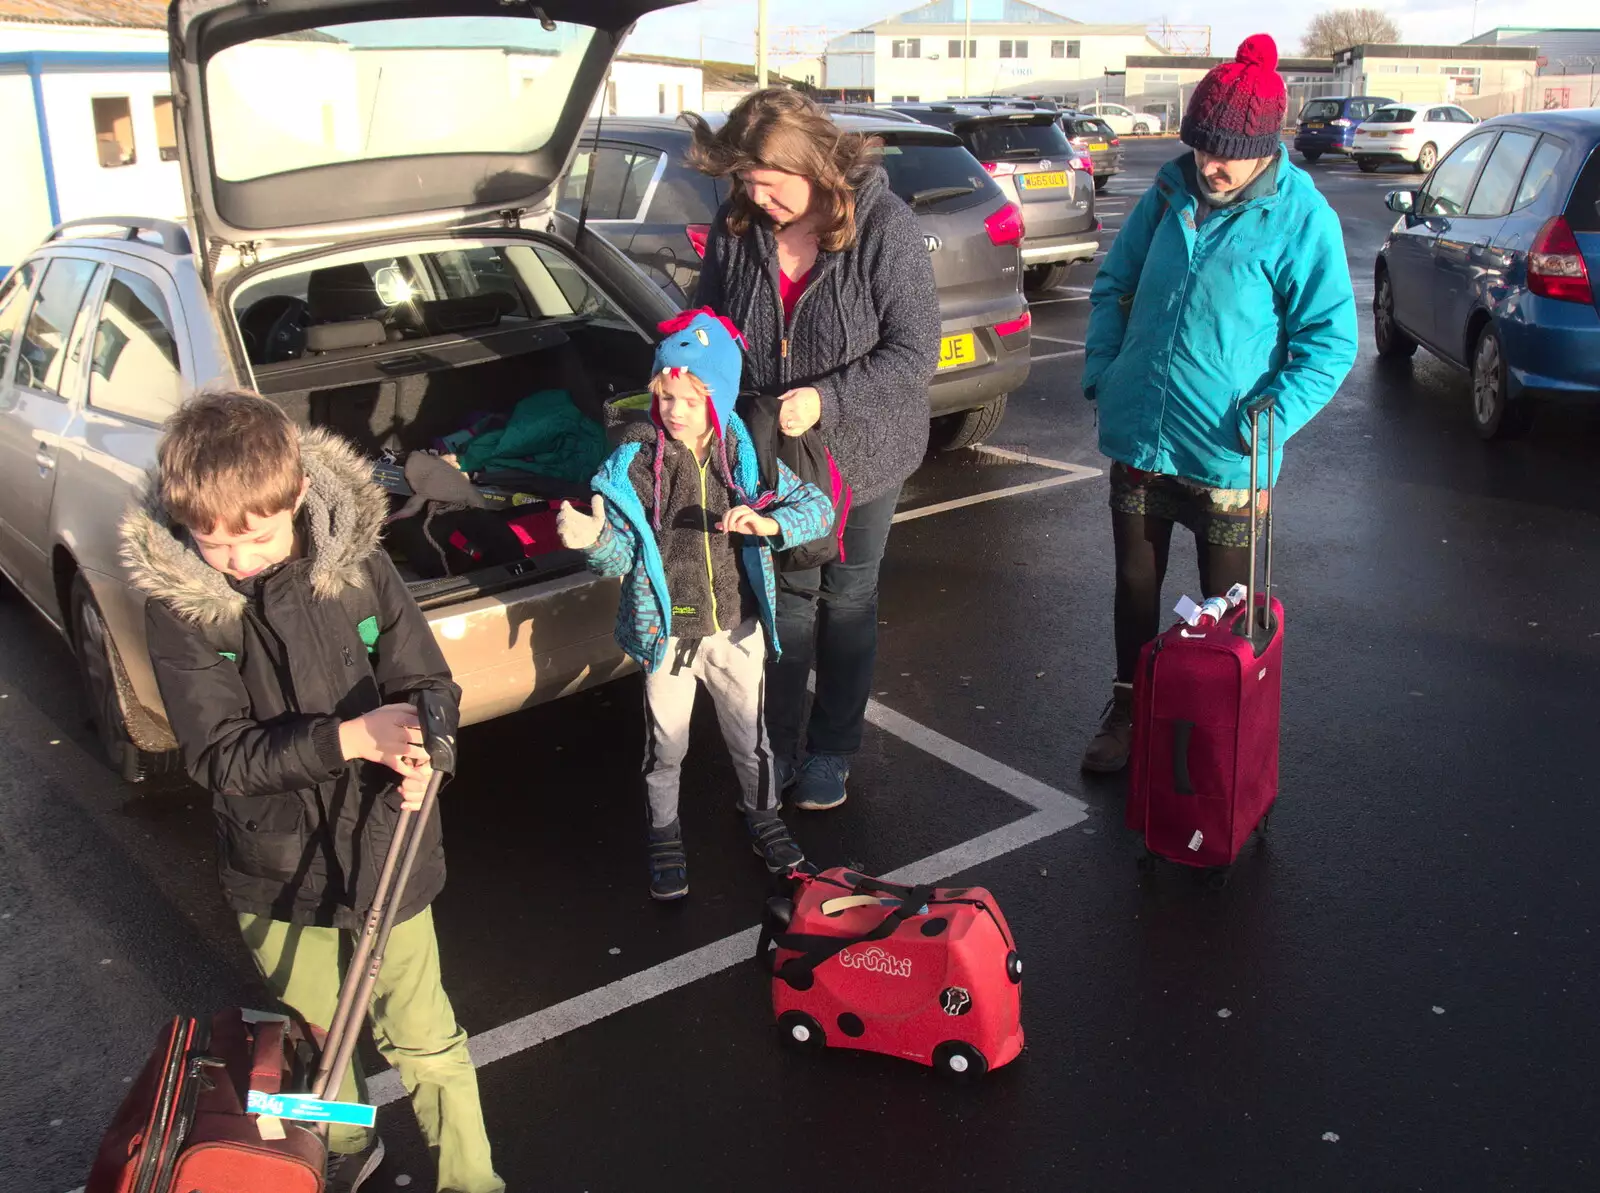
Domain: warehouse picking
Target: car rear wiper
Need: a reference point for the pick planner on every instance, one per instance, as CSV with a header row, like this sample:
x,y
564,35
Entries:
x,y
935,193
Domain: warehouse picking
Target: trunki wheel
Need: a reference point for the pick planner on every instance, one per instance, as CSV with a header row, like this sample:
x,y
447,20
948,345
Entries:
x,y
1146,862
802,1031
958,1059
1213,878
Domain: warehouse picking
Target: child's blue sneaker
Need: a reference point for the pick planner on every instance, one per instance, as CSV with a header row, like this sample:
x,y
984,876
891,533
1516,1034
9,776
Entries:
x,y
787,773
819,783
669,864
770,838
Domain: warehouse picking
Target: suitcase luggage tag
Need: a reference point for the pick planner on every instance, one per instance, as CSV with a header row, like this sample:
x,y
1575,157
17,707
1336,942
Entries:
x,y
307,1108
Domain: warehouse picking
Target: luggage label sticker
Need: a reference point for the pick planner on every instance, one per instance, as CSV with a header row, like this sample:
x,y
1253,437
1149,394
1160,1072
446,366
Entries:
x,y
307,1109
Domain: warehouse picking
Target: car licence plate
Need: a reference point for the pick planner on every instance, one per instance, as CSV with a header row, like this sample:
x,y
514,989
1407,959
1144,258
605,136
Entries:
x,y
1097,146
957,350
1313,124
1370,133
1039,182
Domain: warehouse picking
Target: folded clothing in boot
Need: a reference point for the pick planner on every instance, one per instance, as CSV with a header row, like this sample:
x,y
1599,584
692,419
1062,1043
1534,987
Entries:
x,y
545,434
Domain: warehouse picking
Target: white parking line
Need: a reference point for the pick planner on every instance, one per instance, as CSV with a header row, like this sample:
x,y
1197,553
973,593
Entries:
x,y
1070,474
1057,355
1053,811
1058,340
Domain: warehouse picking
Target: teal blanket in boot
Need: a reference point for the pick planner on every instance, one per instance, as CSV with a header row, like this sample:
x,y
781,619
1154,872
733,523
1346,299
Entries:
x,y
545,434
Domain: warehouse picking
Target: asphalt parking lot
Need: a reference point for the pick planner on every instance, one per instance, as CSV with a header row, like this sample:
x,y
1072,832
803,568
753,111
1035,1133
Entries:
x,y
1394,992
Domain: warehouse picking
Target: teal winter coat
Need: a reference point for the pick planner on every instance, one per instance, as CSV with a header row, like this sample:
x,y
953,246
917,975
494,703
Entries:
x,y
627,545
1190,325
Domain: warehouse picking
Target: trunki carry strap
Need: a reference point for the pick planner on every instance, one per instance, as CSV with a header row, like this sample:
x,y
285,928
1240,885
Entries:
x,y
814,950
439,723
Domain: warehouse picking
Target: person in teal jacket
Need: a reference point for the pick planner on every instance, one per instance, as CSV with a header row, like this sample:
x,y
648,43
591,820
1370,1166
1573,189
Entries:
x,y
1226,290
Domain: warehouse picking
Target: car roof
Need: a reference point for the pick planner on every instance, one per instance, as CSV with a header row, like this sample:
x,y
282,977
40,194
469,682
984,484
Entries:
x,y
672,126
160,242
1576,121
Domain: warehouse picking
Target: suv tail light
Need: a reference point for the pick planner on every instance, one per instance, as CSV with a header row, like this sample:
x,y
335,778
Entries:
x,y
1079,142
1013,326
1005,226
1555,265
1401,132
698,234
1000,169
1116,140
1340,123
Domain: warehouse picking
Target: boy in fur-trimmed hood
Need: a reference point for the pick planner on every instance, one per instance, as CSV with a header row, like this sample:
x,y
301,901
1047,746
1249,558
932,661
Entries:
x,y
286,649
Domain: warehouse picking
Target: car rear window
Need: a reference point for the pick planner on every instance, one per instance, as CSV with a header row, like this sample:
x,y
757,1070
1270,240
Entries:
x,y
1322,109
936,176
1583,212
1016,140
1085,126
1392,116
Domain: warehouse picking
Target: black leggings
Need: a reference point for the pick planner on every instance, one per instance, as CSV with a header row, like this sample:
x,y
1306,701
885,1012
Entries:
x,y
1142,545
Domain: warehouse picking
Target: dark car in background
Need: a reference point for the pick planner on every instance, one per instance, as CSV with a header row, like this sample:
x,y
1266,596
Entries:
x,y
1494,265
969,225
1093,136
1328,124
1026,152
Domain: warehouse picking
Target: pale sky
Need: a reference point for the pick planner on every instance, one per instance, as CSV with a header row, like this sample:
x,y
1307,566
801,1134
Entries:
x,y
728,26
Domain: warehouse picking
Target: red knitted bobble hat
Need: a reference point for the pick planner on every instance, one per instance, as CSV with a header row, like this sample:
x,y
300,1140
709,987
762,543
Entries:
x,y
1237,110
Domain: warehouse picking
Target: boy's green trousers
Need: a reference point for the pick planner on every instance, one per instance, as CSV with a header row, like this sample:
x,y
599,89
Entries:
x,y
412,1022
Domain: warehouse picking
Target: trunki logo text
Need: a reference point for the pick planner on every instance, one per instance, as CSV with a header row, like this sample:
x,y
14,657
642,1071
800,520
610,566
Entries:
x,y
875,960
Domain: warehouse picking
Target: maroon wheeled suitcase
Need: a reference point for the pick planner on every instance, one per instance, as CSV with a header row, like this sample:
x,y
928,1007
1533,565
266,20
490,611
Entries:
x,y
1204,763
187,1125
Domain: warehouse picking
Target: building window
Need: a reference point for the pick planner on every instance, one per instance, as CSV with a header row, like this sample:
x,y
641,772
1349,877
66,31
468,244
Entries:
x,y
1013,49
1074,49
1161,77
910,47
955,48
1063,49
1390,68
166,131
113,131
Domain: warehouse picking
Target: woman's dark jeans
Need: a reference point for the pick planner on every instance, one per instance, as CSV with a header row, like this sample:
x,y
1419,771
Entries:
x,y
830,615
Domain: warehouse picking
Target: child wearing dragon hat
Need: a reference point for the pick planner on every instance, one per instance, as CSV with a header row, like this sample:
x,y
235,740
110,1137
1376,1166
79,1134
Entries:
x,y
680,513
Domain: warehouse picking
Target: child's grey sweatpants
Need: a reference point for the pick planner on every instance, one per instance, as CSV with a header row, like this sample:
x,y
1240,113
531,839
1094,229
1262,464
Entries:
x,y
732,665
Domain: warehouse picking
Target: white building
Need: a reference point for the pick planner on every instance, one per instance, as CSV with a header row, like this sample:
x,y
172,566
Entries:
x,y
952,48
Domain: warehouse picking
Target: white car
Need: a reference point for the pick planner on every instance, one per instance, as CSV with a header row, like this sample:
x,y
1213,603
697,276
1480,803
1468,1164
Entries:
x,y
1125,122
1416,135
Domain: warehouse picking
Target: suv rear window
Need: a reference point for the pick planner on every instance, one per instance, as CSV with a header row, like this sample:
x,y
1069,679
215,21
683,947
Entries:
x,y
1088,126
935,176
1015,140
1392,116
1322,109
1583,212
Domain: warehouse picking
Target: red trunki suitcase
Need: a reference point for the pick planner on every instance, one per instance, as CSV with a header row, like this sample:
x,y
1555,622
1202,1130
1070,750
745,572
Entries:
x,y
184,1126
928,975
1204,761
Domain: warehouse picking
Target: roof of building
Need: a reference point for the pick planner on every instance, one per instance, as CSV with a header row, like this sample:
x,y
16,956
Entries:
x,y
989,12
1459,53
124,14
1292,66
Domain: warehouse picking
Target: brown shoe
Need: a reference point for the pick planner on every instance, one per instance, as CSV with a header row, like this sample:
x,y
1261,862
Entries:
x,y
1108,752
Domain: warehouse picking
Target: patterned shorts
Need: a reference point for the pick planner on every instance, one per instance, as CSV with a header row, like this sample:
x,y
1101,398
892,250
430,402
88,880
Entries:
x,y
1220,517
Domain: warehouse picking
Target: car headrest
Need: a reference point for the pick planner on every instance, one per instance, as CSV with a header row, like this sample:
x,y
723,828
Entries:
x,y
342,292
354,333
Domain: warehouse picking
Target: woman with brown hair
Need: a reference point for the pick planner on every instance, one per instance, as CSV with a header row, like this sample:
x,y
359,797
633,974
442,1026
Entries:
x,y
826,273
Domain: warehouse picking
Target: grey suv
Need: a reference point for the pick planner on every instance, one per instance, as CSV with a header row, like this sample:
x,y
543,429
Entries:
x,y
659,211
393,286
1026,152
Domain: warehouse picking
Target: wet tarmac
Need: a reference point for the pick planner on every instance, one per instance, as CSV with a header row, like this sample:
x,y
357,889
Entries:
x,y
1394,992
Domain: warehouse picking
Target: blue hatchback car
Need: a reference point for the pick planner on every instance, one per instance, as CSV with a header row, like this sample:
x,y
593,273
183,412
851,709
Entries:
x,y
1493,266
1328,124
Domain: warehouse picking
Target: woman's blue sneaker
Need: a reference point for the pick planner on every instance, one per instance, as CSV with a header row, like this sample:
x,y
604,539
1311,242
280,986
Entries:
x,y
669,864
819,784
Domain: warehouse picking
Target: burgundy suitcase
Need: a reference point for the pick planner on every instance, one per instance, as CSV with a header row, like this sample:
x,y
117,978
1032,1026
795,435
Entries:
x,y
184,1126
1204,762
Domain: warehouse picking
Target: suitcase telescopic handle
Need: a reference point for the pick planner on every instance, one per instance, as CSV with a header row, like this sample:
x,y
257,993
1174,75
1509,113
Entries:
x,y
1247,626
439,718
